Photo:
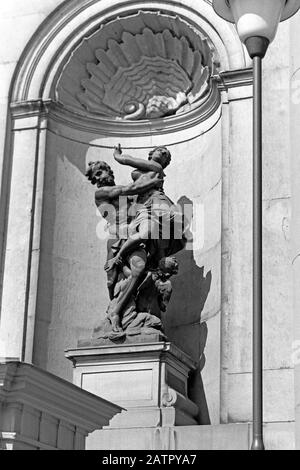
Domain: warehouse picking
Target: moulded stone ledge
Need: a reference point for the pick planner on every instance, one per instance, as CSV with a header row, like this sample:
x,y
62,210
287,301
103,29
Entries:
x,y
235,436
42,411
221,437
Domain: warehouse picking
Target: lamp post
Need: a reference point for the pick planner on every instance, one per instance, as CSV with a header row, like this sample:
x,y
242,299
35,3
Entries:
x,y
257,22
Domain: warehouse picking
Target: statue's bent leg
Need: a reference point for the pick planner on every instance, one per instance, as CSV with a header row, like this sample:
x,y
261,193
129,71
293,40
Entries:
x,y
143,233
112,277
137,262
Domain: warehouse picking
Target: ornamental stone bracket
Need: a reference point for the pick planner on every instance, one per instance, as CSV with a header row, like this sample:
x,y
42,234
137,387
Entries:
x,y
40,411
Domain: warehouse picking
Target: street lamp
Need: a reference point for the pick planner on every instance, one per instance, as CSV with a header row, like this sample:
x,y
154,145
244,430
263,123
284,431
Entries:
x,y
257,22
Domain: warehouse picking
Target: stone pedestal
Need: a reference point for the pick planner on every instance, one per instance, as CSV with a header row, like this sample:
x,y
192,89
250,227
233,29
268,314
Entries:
x,y
148,380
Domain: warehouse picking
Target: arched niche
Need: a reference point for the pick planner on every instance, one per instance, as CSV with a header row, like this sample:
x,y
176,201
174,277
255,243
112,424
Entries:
x,y
57,262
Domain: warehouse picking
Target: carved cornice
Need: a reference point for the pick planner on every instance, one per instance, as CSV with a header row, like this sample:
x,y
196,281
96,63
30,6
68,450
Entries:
x,y
99,125
32,108
234,79
58,113
28,115
25,384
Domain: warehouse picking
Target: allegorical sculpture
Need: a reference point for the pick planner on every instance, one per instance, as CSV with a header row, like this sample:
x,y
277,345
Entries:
x,y
146,230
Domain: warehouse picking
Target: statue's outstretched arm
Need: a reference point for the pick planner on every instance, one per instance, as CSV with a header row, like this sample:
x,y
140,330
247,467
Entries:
x,y
138,187
138,163
107,193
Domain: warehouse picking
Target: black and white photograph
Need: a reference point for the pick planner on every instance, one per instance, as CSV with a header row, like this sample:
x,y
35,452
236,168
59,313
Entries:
x,y
149,228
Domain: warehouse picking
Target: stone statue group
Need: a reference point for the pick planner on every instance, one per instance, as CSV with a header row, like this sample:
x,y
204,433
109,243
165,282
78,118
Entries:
x,y
145,230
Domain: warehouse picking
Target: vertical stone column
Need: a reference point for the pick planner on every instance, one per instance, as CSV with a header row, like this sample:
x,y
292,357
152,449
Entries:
x,y
236,255
239,258
295,175
22,221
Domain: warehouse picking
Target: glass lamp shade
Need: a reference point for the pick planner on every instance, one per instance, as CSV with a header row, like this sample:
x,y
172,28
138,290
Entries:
x,y
256,17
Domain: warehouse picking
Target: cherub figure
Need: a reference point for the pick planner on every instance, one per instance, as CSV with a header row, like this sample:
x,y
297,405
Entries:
x,y
167,268
155,291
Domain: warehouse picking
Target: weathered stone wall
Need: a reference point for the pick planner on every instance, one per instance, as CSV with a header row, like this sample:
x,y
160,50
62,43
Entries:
x,y
295,176
18,22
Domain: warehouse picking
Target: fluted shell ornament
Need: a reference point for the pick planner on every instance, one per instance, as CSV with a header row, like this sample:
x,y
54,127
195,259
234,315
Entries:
x,y
144,66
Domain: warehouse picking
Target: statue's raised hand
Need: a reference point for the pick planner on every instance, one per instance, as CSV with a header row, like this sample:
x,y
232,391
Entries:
x,y
117,150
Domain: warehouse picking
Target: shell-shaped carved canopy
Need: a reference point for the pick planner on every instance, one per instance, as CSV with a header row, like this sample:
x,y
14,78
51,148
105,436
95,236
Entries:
x,y
144,66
